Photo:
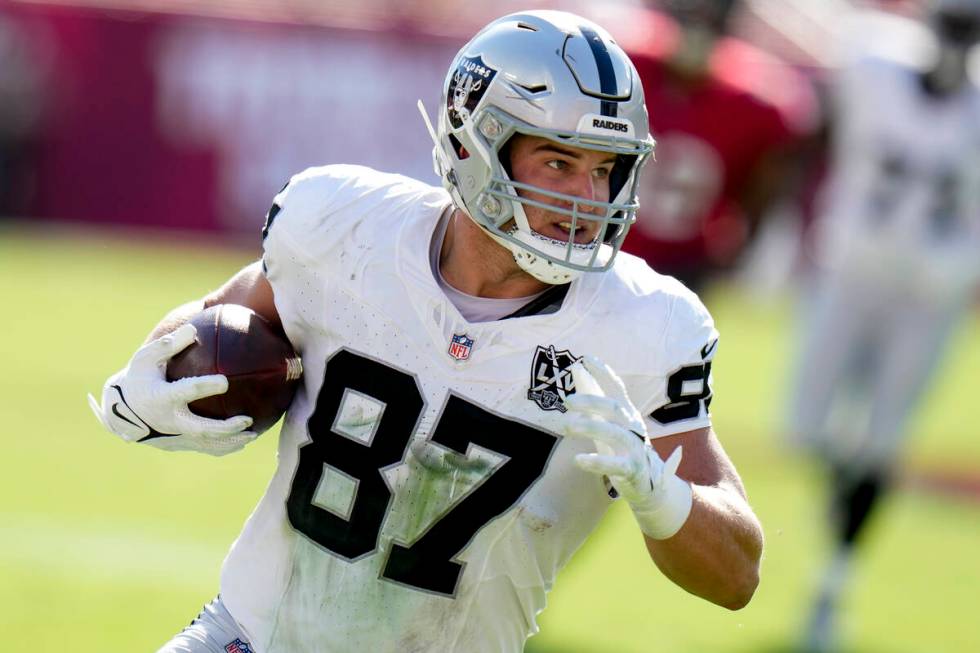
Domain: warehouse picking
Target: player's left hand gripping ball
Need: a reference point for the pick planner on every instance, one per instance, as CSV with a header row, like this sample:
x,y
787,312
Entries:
x,y
140,405
601,410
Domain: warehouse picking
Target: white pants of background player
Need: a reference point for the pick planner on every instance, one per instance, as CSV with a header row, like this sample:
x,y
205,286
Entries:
x,y
214,631
869,351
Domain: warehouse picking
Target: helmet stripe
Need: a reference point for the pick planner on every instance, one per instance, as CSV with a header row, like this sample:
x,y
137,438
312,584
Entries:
x,y
607,74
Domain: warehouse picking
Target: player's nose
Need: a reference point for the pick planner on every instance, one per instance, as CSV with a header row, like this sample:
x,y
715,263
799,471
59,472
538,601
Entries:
x,y
582,186
585,186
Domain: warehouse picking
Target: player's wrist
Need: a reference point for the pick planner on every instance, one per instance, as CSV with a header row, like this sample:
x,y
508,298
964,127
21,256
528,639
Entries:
x,y
665,510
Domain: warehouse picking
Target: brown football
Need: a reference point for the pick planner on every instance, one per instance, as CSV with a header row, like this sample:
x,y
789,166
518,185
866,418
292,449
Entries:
x,y
262,367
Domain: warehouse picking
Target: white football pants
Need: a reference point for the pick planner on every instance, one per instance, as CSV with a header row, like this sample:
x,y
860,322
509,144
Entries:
x,y
867,355
214,631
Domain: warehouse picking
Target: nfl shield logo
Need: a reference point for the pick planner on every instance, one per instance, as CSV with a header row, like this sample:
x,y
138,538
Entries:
x,y
460,347
238,646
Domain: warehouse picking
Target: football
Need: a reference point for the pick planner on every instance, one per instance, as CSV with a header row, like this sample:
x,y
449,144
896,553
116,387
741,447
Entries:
x,y
262,367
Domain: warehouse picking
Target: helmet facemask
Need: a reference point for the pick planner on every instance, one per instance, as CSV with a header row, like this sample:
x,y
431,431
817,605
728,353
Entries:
x,y
500,208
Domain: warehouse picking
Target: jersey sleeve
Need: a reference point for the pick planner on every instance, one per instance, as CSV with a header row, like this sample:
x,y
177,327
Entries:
x,y
298,226
678,393
303,229
322,223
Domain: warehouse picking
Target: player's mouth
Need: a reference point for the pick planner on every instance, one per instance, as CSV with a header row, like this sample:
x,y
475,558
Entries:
x,y
584,233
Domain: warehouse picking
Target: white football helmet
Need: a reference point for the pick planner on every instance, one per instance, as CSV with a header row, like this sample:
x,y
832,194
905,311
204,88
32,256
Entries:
x,y
558,76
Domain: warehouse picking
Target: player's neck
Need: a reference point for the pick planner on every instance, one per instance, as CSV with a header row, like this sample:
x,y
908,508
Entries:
x,y
473,263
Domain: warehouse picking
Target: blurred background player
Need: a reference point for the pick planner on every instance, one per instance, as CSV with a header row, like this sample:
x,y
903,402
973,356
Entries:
x,y
727,118
897,259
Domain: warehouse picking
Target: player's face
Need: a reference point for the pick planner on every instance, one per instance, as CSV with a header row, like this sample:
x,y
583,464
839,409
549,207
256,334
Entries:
x,y
571,170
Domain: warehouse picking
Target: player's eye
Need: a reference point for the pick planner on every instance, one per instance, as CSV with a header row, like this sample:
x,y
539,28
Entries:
x,y
602,173
558,164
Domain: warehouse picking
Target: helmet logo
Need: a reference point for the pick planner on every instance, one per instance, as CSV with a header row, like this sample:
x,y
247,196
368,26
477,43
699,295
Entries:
x,y
609,124
593,123
467,87
462,92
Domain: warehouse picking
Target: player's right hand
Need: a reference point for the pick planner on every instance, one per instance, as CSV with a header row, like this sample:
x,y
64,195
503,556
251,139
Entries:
x,y
140,405
601,411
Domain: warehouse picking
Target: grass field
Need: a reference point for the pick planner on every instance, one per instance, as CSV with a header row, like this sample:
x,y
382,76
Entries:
x,y
108,547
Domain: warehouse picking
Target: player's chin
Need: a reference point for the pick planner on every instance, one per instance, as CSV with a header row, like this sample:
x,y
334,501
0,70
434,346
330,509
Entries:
x,y
586,232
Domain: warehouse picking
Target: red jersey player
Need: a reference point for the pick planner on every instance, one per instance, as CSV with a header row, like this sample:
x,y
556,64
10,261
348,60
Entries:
x,y
725,116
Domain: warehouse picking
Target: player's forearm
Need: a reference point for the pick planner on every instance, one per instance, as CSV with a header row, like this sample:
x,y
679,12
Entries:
x,y
248,288
176,318
716,554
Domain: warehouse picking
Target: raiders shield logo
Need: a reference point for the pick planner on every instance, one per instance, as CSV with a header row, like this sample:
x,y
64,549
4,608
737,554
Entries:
x,y
551,379
466,89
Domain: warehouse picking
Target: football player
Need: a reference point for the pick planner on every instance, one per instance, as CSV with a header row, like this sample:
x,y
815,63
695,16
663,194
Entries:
x,y
897,251
483,375
730,122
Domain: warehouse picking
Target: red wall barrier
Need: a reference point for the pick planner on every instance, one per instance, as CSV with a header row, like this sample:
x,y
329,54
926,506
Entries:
x,y
195,123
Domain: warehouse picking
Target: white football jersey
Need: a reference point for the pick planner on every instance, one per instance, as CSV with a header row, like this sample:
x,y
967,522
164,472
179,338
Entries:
x,y
903,204
424,499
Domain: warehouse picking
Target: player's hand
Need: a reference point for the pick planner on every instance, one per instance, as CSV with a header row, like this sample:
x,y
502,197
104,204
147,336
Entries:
x,y
602,411
140,405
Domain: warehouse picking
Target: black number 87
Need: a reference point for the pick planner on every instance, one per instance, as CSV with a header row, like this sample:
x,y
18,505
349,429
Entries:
x,y
428,563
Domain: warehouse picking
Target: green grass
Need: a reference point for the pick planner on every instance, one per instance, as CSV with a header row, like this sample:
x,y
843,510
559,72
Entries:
x,y
109,547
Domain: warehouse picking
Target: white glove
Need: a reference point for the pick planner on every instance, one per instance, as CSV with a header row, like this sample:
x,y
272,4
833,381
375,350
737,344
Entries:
x,y
601,410
140,405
